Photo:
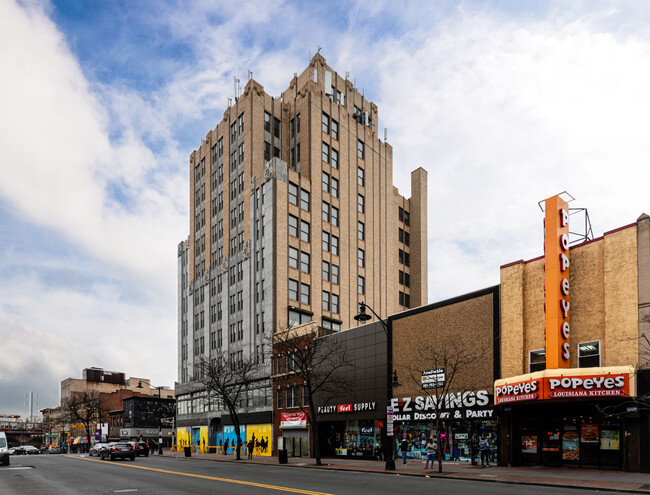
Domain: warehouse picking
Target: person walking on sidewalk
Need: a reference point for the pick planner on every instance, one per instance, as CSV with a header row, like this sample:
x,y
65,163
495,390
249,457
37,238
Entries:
x,y
431,453
484,447
403,448
251,446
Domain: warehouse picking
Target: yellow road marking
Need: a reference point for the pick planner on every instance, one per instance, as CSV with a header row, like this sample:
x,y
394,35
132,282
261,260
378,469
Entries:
x,y
213,478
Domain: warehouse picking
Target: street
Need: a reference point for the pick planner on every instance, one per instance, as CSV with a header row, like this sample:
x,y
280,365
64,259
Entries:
x,y
80,474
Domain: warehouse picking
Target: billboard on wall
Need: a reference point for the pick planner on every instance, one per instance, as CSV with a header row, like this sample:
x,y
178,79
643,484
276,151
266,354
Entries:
x,y
576,383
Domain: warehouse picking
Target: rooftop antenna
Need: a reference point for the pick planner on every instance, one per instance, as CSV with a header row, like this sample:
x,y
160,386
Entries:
x,y
236,83
318,51
250,75
229,102
385,134
347,74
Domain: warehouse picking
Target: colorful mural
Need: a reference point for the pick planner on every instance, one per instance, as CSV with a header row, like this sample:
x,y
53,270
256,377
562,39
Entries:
x,y
262,436
229,436
183,437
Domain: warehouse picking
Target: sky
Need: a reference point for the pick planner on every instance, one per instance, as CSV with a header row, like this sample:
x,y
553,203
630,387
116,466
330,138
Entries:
x,y
504,103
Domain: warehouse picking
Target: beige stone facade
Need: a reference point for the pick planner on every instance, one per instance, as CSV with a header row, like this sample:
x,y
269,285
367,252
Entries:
x,y
605,279
366,242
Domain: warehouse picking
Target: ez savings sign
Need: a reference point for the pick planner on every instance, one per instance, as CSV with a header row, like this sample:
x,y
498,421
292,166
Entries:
x,y
556,287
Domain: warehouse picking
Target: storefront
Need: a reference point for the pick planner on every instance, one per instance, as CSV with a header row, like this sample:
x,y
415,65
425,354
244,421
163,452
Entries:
x,y
355,432
570,417
295,434
466,418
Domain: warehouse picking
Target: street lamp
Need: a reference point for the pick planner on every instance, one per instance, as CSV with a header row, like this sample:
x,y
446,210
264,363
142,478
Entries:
x,y
160,449
391,376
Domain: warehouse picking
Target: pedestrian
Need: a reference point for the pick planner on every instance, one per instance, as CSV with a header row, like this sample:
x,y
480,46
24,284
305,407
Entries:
x,y
221,445
225,447
251,446
403,448
484,447
431,452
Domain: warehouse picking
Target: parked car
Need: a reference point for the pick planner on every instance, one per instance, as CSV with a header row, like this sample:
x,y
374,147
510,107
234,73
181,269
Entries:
x,y
96,449
30,450
118,450
141,448
4,449
16,450
53,450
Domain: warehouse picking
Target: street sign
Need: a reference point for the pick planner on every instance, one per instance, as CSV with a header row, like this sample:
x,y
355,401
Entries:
x,y
433,378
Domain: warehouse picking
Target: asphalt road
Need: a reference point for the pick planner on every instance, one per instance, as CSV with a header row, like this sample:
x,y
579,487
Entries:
x,y
80,474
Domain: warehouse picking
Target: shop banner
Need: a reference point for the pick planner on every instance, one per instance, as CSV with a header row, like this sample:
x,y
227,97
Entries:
x,y
560,386
589,433
570,443
293,420
529,444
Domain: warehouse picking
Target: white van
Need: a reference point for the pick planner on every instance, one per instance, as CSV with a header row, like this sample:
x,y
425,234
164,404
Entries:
x,y
4,449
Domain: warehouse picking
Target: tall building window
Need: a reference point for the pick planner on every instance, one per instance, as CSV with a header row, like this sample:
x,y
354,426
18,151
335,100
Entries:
x,y
304,231
335,245
293,290
361,180
293,226
326,182
361,258
279,401
304,262
326,301
326,271
335,274
267,121
325,152
326,212
361,231
293,257
335,187
276,127
335,303
304,293
325,123
267,151
304,199
361,153
335,216
293,194
335,158
361,203
326,241
335,129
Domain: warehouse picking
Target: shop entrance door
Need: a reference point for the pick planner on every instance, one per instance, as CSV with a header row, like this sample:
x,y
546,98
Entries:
x,y
551,445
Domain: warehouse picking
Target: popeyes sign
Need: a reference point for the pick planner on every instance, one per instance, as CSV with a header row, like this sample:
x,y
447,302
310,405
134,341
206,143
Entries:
x,y
556,287
564,387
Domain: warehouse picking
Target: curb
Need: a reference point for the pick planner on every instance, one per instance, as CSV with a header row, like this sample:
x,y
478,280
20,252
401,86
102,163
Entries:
x,y
442,475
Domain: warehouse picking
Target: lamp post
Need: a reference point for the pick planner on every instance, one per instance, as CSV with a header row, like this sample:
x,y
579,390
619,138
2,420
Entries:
x,y
160,449
391,379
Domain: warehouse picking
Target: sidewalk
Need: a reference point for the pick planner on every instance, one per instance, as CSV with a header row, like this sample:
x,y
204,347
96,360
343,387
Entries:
x,y
565,477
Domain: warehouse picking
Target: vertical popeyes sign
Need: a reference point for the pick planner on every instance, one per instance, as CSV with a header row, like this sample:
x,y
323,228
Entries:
x,y
556,277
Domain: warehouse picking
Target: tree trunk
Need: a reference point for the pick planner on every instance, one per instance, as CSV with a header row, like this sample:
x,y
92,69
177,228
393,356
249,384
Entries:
x,y
314,428
238,447
440,449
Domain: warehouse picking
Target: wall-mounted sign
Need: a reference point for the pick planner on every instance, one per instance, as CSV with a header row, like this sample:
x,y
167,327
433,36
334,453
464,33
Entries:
x,y
461,405
558,386
293,420
556,286
347,408
433,378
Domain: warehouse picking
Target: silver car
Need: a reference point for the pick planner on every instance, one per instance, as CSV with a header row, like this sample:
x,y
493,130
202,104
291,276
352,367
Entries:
x,y
96,449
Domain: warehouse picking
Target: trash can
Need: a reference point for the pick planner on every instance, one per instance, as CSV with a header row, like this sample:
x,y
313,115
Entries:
x,y
188,451
283,457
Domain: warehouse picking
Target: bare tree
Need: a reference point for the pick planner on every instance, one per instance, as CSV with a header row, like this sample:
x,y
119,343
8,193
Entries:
x,y
228,377
314,361
462,362
83,408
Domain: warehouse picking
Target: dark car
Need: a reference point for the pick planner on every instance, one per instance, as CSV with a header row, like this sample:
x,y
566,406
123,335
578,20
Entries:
x,y
118,450
141,448
96,449
30,449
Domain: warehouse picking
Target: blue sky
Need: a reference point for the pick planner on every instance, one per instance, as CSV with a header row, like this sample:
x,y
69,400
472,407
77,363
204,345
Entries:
x,y
504,103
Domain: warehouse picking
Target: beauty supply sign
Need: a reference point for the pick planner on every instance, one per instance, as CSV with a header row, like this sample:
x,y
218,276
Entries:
x,y
564,387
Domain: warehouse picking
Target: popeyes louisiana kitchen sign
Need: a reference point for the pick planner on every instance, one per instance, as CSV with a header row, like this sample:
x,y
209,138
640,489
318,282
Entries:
x,y
587,386
570,384
556,287
517,391
293,420
461,405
